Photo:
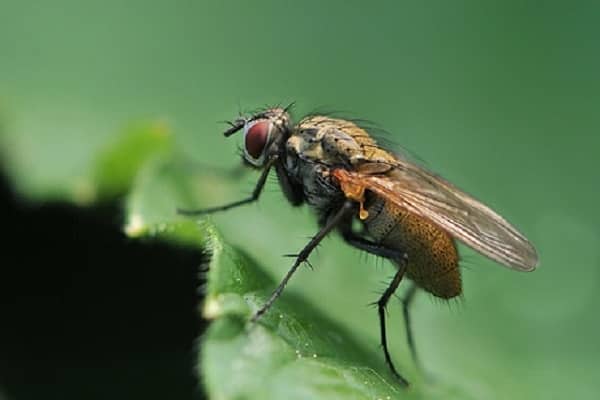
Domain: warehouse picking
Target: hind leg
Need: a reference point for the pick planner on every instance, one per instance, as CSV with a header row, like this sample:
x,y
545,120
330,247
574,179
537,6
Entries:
x,y
406,302
397,255
381,304
372,247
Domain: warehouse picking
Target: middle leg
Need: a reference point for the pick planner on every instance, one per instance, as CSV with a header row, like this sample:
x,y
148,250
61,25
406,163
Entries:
x,y
372,247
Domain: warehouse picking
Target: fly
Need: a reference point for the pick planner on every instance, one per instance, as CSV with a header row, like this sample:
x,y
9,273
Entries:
x,y
410,216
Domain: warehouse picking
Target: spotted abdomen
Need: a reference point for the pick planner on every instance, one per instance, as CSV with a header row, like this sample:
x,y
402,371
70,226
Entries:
x,y
432,255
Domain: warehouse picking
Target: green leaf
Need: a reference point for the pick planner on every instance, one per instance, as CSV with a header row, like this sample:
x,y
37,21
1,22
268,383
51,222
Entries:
x,y
294,351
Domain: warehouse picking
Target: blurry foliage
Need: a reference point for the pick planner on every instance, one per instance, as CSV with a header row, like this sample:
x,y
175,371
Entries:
x,y
117,166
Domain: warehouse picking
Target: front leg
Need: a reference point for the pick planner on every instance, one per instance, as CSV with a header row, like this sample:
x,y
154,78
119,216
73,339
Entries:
x,y
253,197
293,192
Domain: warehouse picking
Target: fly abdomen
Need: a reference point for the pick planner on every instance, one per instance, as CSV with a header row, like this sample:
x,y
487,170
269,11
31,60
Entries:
x,y
432,255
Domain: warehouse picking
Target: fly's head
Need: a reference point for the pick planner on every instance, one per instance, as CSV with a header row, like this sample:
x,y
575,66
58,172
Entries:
x,y
264,134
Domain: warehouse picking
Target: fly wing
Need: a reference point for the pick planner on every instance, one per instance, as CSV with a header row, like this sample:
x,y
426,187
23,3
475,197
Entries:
x,y
429,196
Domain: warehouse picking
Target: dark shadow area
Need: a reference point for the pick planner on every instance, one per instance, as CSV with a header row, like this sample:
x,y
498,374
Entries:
x,y
87,313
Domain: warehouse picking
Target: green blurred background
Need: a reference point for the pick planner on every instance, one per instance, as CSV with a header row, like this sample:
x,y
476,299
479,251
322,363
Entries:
x,y
501,98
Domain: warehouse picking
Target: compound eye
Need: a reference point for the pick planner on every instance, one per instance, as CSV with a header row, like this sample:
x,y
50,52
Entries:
x,y
256,138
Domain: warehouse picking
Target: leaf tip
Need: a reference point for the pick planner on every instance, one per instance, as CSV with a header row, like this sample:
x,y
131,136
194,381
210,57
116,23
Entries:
x,y
136,226
212,308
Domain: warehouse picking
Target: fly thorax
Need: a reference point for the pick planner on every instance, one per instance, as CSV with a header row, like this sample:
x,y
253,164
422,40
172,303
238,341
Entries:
x,y
326,145
308,165
341,147
305,145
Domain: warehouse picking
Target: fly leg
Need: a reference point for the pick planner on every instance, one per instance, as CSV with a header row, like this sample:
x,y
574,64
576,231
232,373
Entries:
x,y
381,304
331,224
373,248
406,301
252,198
399,256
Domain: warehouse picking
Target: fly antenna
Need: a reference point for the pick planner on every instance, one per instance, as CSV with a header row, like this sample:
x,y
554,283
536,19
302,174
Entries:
x,y
234,126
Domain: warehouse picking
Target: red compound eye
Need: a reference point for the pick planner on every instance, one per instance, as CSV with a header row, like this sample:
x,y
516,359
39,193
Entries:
x,y
256,138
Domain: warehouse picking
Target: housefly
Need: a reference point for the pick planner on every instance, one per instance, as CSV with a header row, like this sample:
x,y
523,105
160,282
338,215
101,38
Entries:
x,y
409,215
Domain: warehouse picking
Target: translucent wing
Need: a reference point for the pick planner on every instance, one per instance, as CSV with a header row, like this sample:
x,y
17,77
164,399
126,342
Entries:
x,y
429,196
